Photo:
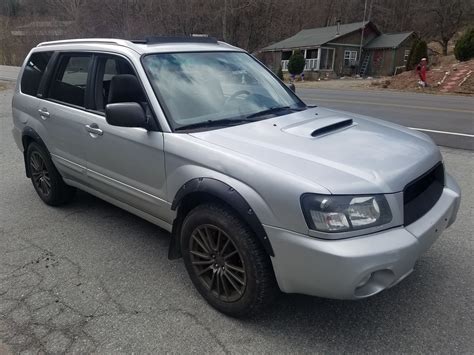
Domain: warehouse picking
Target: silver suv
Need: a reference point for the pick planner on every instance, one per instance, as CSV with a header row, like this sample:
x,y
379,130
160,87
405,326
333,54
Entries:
x,y
259,191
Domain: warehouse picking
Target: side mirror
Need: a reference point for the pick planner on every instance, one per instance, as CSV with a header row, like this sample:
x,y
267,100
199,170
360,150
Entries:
x,y
292,87
126,114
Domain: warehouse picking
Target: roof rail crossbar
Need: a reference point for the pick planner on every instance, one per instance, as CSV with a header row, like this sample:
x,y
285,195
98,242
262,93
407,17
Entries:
x,y
175,39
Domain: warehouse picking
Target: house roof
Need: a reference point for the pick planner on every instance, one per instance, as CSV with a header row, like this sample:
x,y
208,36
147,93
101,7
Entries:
x,y
314,37
388,40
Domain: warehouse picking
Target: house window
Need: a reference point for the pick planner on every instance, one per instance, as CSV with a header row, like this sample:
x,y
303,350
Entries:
x,y
285,55
405,56
350,58
311,53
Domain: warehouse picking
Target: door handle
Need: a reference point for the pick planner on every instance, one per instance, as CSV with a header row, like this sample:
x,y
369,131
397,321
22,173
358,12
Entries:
x,y
94,129
44,114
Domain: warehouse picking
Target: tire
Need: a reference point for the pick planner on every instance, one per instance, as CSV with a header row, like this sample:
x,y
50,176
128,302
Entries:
x,y
46,179
225,261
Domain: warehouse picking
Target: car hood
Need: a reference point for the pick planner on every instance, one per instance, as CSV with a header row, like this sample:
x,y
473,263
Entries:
x,y
343,152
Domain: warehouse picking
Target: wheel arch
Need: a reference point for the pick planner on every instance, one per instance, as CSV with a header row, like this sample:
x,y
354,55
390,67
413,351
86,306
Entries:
x,y
202,190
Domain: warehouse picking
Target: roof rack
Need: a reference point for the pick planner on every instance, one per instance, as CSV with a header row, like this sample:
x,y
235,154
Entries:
x,y
176,39
85,40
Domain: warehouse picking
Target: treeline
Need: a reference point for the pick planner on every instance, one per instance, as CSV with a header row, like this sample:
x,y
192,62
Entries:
x,y
250,24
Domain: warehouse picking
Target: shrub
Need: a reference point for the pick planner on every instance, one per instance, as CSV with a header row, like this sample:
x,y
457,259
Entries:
x,y
419,50
296,63
464,48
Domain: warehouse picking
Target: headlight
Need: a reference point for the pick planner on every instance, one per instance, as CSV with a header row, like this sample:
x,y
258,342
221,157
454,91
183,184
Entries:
x,y
341,213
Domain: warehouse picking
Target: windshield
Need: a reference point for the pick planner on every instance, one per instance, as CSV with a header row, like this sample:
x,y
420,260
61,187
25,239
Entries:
x,y
211,88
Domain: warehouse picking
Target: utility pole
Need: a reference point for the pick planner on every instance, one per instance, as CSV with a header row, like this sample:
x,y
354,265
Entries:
x,y
362,35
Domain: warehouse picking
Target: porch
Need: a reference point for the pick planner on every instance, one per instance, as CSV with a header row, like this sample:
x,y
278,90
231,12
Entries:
x,y
317,59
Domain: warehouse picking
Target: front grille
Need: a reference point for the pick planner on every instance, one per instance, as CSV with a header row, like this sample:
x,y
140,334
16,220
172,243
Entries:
x,y
420,195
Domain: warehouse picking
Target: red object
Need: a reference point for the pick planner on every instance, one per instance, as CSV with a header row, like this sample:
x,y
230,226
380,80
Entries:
x,y
421,69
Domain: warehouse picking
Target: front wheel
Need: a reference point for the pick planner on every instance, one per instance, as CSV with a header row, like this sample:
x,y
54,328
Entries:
x,y
225,261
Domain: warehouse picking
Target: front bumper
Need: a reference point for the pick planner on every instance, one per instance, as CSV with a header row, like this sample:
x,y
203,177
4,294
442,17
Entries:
x,y
361,266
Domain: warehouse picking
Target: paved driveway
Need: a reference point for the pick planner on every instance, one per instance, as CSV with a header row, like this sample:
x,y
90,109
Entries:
x,y
91,277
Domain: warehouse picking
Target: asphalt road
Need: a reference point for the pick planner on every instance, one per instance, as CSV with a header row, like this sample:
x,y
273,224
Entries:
x,y
89,277
448,119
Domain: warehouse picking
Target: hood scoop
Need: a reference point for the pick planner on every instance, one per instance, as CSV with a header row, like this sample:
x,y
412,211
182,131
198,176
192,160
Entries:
x,y
332,127
318,127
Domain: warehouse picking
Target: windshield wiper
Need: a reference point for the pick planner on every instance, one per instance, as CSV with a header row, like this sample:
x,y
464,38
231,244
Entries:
x,y
212,123
274,110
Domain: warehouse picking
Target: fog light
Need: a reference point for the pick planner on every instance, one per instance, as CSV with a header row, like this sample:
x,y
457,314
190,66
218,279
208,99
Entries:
x,y
376,282
364,281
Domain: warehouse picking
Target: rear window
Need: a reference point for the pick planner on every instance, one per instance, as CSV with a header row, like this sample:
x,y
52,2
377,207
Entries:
x,y
34,71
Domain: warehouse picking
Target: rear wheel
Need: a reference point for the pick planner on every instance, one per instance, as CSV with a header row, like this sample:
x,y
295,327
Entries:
x,y
225,261
46,180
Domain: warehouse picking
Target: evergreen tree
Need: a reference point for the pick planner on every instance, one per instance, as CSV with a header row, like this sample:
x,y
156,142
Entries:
x,y
464,48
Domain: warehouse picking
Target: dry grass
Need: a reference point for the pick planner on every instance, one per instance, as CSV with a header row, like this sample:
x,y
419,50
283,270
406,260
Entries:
x,y
446,68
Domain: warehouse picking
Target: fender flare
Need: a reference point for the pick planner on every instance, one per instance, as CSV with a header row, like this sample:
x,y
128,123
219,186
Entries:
x,y
29,132
228,195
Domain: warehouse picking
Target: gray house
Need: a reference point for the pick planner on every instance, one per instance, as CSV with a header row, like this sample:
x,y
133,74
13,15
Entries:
x,y
336,49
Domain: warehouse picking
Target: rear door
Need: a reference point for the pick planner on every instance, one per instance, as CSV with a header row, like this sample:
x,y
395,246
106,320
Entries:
x,y
26,100
125,163
64,111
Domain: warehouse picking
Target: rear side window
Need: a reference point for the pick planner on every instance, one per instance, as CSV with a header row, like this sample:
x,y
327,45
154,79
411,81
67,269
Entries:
x,y
33,73
69,84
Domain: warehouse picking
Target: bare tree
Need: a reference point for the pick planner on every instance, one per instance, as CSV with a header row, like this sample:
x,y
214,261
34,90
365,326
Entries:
x,y
447,20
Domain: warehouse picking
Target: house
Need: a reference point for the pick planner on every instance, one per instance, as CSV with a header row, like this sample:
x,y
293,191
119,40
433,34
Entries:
x,y
336,50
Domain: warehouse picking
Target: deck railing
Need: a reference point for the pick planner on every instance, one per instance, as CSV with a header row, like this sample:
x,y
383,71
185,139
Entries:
x,y
311,64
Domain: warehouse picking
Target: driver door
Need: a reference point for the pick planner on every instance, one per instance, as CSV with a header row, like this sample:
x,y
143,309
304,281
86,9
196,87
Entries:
x,y
124,163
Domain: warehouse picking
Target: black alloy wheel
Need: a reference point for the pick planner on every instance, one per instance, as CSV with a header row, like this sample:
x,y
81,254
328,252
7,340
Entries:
x,y
218,263
46,179
225,261
39,174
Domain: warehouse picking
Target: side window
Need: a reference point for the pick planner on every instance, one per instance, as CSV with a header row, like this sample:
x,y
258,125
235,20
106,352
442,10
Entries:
x,y
33,73
108,68
69,84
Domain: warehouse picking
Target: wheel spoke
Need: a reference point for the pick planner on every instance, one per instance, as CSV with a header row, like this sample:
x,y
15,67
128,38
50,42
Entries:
x,y
218,284
236,268
205,262
205,270
218,244
34,163
226,291
232,283
225,246
236,278
47,181
201,255
230,254
204,240
36,177
209,240
199,241
44,188
42,164
213,278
